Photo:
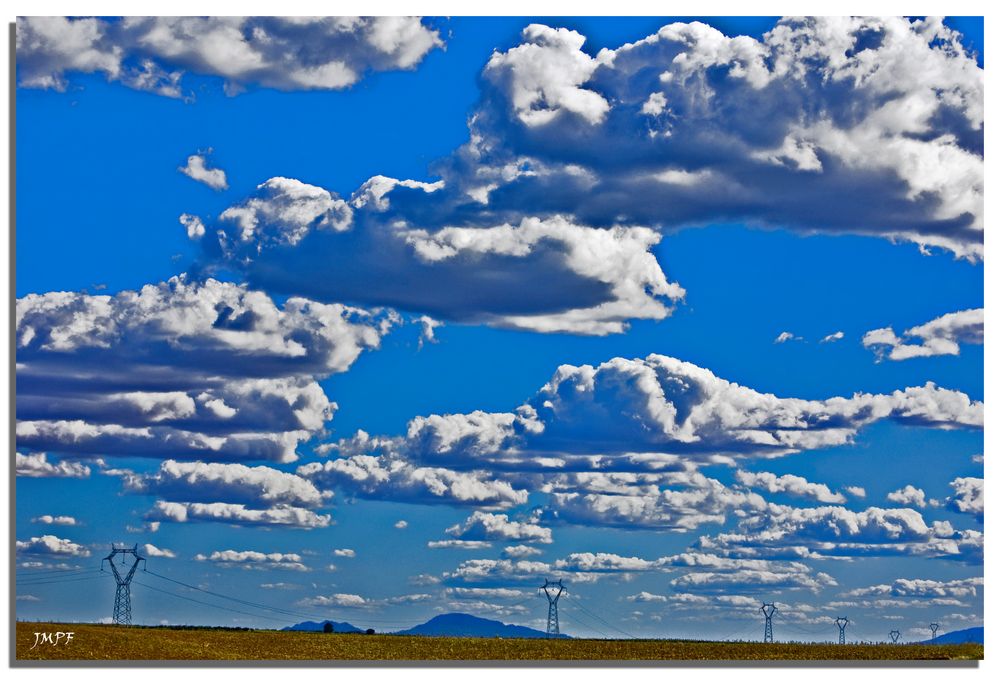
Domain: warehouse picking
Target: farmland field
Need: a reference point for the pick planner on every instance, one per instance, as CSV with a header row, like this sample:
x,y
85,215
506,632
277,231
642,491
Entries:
x,y
103,642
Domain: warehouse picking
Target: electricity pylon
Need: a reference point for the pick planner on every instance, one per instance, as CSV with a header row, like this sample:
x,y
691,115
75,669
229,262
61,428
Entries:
x,y
841,624
552,593
934,627
768,610
123,599
894,635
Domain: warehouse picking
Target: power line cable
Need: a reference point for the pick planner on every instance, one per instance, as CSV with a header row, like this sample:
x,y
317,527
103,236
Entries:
x,y
599,619
276,609
54,577
76,579
20,572
741,629
577,620
204,603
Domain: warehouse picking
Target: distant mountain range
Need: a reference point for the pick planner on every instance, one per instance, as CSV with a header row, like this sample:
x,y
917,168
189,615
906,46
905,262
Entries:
x,y
449,624
461,624
971,635
338,627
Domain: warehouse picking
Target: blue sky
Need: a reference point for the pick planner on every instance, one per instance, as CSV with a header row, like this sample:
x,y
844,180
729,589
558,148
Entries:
x,y
99,195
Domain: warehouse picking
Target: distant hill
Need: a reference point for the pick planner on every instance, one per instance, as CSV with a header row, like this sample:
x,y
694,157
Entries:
x,y
338,627
970,635
460,624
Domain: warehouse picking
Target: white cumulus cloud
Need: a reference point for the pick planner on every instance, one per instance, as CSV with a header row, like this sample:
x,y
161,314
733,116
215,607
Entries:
x,y
198,170
153,53
941,336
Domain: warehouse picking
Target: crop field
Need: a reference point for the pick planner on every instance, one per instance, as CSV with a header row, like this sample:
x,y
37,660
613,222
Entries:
x,y
103,642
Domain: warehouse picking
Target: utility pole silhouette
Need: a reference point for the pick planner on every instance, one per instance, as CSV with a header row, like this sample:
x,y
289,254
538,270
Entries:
x,y
934,627
842,624
894,635
552,593
768,610
123,598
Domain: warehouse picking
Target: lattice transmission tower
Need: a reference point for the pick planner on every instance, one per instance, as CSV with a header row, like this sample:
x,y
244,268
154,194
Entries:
x,y
552,592
842,625
123,598
894,635
934,627
768,610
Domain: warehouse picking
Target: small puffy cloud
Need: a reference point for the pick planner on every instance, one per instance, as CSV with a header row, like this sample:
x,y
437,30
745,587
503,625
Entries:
x,y
969,497
36,465
919,588
346,553
424,580
56,520
749,580
282,213
406,599
336,601
475,572
786,336
521,551
833,337
50,546
27,598
401,524
427,327
978,458
487,526
856,491
221,512
193,225
356,601
182,369
459,544
156,552
941,336
485,608
230,558
603,562
153,53
382,478
488,593
647,597
790,484
197,169
908,495
226,482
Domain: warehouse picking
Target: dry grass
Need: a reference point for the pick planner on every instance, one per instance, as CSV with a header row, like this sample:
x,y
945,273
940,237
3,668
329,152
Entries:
x,y
103,642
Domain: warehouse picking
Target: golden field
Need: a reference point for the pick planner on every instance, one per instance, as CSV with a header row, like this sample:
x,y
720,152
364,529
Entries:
x,y
105,642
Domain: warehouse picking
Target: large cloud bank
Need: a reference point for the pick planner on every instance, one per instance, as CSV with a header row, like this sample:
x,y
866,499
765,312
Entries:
x,y
153,53
181,368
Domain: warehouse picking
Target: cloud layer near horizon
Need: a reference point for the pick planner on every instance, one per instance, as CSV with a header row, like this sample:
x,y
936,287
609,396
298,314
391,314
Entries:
x,y
655,414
